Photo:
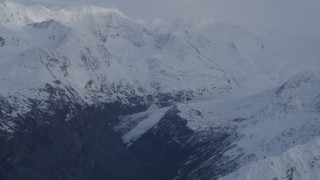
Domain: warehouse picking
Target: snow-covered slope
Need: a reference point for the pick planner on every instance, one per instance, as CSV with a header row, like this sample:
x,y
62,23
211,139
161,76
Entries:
x,y
94,47
91,48
105,56
273,134
276,131
298,162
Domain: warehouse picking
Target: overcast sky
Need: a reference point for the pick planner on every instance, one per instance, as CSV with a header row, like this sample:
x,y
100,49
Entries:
x,y
285,16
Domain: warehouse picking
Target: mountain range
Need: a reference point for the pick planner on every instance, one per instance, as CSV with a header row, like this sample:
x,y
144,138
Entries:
x,y
89,93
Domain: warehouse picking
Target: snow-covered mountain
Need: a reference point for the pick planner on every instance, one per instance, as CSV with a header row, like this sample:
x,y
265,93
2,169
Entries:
x,y
276,131
208,98
106,57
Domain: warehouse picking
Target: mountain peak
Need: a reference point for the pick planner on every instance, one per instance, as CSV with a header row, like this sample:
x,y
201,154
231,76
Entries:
x,y
15,15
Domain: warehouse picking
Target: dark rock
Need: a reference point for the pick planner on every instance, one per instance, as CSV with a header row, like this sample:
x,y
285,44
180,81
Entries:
x,y
70,140
2,42
168,99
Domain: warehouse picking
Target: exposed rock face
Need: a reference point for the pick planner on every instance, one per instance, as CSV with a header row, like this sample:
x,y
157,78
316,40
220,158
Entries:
x,y
2,42
171,150
47,146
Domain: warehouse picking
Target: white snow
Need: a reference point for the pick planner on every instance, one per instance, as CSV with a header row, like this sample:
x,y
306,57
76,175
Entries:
x,y
202,56
153,114
298,162
273,126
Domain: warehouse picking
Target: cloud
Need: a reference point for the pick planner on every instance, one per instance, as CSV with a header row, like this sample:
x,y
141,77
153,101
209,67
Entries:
x,y
285,16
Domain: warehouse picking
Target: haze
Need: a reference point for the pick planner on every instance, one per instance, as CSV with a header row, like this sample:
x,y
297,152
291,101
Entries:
x,y
290,17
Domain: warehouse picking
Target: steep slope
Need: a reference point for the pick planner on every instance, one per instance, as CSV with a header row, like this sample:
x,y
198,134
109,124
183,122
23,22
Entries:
x,y
271,135
105,56
274,125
